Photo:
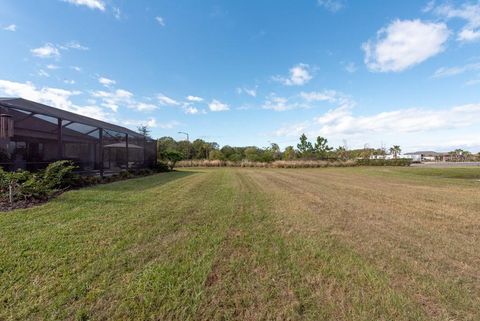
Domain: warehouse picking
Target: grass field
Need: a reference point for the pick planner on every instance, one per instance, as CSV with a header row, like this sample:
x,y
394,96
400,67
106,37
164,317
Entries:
x,y
250,244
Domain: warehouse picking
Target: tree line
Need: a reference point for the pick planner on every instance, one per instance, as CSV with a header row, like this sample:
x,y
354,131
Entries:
x,y
170,149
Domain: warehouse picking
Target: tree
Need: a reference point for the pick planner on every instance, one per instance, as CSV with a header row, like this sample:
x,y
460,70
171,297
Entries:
x,y
227,151
216,155
459,154
144,130
200,149
172,157
164,144
321,147
252,154
341,153
395,150
272,153
305,147
289,153
185,147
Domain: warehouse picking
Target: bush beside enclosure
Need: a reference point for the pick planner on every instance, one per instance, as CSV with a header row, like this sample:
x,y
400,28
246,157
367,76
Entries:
x,y
23,188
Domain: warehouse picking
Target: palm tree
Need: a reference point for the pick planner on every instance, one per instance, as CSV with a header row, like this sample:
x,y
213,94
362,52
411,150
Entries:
x,y
341,153
395,150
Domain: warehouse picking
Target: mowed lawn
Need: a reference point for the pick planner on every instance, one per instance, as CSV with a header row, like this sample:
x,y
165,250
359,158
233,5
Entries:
x,y
250,244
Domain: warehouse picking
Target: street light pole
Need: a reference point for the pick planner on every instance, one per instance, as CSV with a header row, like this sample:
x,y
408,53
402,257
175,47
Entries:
x,y
188,137
188,140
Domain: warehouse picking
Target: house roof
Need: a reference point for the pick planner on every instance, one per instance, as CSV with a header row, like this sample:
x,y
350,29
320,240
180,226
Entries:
x,y
37,108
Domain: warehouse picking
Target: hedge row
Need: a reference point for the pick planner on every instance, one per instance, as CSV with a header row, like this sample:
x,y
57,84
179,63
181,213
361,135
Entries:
x,y
295,163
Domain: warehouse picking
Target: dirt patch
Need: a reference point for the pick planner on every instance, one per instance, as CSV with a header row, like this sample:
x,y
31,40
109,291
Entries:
x,y
6,206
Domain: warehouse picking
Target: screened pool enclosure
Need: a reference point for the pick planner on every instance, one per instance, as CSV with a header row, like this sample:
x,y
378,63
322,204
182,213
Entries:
x,y
32,135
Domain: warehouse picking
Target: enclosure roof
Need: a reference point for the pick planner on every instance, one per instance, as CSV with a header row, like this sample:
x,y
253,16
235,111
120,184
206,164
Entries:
x,y
33,107
122,145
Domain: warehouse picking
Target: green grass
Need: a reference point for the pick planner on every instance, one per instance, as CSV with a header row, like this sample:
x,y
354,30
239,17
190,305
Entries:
x,y
462,175
213,245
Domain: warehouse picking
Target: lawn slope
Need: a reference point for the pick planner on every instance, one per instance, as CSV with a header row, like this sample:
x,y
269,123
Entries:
x,y
248,244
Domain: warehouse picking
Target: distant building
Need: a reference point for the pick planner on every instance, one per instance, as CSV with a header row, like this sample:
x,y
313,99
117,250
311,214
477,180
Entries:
x,y
414,158
428,156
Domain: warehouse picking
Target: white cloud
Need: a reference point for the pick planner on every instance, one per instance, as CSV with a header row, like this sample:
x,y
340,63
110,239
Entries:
x,y
429,6
216,105
117,13
152,122
473,82
144,106
191,110
293,130
50,50
469,12
113,99
76,68
92,4
248,91
469,35
167,101
452,71
43,73
69,81
403,44
351,67
132,123
74,45
278,103
299,75
46,51
106,81
306,100
332,5
52,67
194,98
160,21
342,121
56,97
326,95
11,27
169,125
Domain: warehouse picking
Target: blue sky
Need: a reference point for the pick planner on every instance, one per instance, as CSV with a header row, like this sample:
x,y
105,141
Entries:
x,y
254,72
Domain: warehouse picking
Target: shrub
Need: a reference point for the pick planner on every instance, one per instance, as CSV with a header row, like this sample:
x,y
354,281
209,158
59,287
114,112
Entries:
x,y
172,157
89,180
22,185
385,162
34,187
125,175
60,174
160,167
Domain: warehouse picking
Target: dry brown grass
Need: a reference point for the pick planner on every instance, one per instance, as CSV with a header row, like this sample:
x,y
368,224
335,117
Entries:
x,y
425,236
275,164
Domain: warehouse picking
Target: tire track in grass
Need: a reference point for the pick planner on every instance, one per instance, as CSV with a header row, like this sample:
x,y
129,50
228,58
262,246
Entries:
x,y
250,278
170,286
265,271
